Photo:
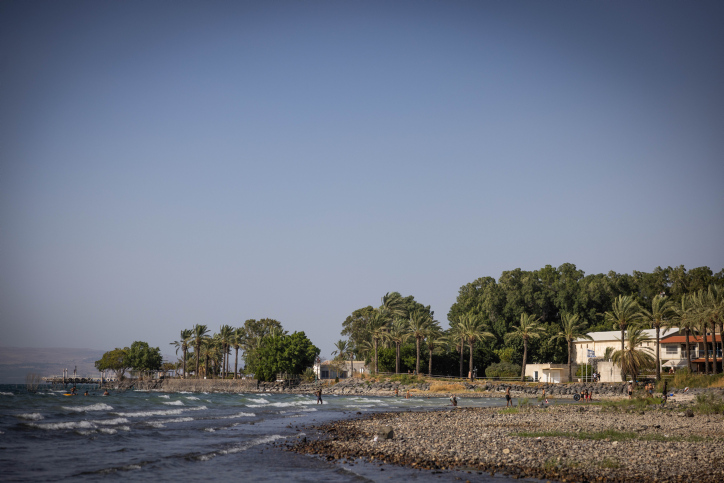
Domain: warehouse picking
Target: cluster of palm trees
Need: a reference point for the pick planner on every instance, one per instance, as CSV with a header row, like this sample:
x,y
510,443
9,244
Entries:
x,y
196,345
698,313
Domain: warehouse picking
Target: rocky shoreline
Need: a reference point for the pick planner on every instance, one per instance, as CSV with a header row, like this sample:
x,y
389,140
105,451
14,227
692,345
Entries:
x,y
583,442
365,387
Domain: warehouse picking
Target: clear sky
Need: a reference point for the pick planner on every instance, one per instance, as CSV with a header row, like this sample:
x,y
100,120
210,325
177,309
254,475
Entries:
x,y
171,163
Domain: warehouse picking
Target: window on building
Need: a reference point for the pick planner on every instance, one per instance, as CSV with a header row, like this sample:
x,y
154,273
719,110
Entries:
x,y
671,349
325,374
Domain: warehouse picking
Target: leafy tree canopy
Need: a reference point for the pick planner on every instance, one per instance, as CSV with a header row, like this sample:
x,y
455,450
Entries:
x,y
141,357
115,360
282,353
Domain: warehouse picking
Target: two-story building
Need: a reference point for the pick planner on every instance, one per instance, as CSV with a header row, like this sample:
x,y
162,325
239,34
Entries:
x,y
673,351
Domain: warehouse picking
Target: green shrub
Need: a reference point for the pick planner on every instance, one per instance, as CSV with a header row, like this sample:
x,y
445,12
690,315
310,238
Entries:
x,y
503,369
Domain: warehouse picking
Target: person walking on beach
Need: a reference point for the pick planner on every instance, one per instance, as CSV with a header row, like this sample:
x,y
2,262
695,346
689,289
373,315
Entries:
x,y
630,390
665,392
319,396
508,402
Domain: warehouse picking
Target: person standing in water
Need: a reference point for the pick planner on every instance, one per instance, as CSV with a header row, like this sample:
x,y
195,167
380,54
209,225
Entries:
x,y
319,396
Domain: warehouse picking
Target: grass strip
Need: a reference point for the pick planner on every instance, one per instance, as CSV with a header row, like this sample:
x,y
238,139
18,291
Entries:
x,y
609,434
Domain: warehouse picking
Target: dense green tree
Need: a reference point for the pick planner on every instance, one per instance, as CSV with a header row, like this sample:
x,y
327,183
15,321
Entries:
x,y
116,361
283,354
141,357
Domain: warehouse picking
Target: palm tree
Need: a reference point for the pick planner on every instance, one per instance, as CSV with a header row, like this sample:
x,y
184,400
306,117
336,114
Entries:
x,y
702,315
528,329
434,337
394,305
456,339
683,318
237,341
377,326
661,310
344,349
624,312
183,344
418,324
473,328
398,334
572,329
634,357
198,336
226,334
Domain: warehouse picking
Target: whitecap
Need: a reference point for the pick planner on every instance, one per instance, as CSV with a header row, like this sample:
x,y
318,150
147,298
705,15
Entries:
x,y
252,443
92,407
192,398
178,420
173,403
239,415
30,416
6,394
142,414
108,431
156,424
210,430
165,396
67,425
110,422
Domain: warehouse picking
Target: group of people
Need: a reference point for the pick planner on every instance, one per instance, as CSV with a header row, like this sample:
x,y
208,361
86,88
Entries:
x,y
74,392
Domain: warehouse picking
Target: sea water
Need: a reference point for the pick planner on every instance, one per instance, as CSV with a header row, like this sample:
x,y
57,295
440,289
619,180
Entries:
x,y
154,436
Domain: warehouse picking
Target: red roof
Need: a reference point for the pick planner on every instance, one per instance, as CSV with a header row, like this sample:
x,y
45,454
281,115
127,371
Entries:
x,y
681,339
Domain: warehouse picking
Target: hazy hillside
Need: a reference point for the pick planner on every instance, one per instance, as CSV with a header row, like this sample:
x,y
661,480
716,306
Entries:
x,y
16,362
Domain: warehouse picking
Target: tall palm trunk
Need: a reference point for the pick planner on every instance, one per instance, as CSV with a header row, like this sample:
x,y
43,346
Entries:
x,y
462,348
470,348
185,350
525,357
570,364
623,350
417,364
351,364
706,353
376,371
236,362
658,360
206,367
713,346
397,357
198,358
688,353
429,367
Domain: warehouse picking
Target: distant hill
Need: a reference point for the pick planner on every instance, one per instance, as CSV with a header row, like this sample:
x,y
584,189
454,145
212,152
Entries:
x,y
16,362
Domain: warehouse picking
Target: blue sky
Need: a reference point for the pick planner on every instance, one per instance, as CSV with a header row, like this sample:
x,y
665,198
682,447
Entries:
x,y
171,163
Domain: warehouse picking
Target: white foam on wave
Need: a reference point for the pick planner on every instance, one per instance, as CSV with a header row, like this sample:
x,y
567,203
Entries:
x,y
92,407
173,403
30,416
6,394
110,422
161,412
164,396
252,443
156,424
258,401
184,392
210,430
192,398
178,420
239,415
108,431
67,425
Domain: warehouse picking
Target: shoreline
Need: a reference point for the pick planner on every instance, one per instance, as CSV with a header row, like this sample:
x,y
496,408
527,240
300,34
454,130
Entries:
x,y
562,442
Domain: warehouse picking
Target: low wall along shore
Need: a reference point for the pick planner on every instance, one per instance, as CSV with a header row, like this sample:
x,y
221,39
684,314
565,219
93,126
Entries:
x,y
365,387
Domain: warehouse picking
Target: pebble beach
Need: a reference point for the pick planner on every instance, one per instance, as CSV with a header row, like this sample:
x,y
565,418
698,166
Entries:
x,y
563,442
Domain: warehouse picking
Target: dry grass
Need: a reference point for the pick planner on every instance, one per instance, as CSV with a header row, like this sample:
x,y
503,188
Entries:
x,y
446,387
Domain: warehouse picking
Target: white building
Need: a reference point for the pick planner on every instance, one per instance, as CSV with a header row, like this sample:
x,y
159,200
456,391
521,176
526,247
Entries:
x,y
341,369
585,349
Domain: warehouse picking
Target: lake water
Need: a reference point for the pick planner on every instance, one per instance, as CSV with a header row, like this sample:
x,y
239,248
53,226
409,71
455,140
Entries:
x,y
152,436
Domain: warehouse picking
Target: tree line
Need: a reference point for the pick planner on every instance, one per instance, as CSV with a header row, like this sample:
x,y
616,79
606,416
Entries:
x,y
267,350
524,316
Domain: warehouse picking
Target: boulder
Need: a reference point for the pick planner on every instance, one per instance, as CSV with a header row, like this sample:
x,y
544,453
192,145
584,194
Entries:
x,y
385,432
